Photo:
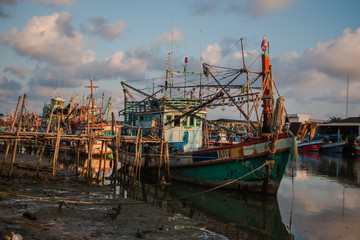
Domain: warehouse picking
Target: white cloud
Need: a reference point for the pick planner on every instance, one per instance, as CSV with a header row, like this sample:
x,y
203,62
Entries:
x,y
49,38
101,28
316,82
212,54
177,37
54,3
259,8
337,57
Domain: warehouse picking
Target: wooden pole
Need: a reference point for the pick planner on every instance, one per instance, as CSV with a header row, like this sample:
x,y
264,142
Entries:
x,y
40,157
277,117
77,159
101,154
117,150
104,168
160,161
50,120
43,147
139,156
90,152
167,162
56,151
11,129
17,136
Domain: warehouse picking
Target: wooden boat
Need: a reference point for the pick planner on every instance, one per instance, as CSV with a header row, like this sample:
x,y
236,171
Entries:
x,y
255,164
314,145
333,143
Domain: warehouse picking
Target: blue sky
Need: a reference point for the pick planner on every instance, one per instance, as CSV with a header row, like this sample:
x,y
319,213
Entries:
x,y
47,44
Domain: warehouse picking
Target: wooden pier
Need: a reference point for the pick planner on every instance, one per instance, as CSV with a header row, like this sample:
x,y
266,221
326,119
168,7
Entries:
x,y
56,141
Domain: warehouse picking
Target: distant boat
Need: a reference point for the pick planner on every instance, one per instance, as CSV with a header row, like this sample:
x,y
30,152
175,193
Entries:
x,y
333,143
314,145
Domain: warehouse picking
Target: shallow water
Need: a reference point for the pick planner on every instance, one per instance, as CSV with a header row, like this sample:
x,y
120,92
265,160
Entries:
x,y
319,198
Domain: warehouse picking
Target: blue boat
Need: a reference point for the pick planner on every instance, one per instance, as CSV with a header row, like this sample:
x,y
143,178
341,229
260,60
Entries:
x,y
333,143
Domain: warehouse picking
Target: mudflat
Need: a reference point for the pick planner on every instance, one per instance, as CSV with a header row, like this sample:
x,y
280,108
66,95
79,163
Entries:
x,y
36,207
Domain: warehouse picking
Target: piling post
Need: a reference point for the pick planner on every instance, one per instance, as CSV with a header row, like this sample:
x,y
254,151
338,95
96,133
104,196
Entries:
x,y
104,168
117,150
17,136
56,151
9,141
167,163
77,159
40,157
101,154
160,161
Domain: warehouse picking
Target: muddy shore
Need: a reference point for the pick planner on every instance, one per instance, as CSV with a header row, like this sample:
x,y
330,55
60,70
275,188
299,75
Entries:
x,y
69,208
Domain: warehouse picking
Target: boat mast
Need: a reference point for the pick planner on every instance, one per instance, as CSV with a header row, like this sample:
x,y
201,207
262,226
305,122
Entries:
x,y
347,95
266,128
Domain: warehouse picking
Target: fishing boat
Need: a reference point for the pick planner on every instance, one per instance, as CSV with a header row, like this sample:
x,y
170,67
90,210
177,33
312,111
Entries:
x,y
256,163
306,145
333,143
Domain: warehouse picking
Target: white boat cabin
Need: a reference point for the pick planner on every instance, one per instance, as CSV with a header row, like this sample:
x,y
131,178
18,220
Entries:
x,y
183,132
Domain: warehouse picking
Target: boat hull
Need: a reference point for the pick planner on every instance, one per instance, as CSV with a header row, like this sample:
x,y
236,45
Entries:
x,y
312,146
239,166
336,147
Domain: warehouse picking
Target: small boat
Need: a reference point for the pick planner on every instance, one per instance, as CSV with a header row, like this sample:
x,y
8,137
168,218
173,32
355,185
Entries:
x,y
333,143
314,145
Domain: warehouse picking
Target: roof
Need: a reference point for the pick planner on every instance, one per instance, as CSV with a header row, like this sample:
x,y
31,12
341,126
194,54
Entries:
x,y
229,120
350,120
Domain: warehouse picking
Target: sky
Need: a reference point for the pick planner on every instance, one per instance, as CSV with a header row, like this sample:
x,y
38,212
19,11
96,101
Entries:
x,y
53,47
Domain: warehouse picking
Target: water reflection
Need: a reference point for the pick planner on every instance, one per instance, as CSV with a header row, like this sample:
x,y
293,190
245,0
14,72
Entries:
x,y
321,191
233,216
238,217
318,199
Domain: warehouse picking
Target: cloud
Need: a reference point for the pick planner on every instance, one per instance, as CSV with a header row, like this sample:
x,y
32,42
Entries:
x,y
337,57
9,89
318,78
202,7
212,54
101,28
54,3
47,38
9,84
20,72
177,37
259,8
3,3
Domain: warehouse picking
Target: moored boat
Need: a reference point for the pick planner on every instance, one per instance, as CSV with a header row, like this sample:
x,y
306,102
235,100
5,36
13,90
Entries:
x,y
314,145
256,164
333,143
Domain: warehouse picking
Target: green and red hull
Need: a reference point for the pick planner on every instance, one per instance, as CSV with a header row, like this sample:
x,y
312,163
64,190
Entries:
x,y
238,166
221,165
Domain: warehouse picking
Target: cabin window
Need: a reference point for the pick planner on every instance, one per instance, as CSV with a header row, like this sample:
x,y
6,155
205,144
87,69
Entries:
x,y
168,119
141,118
177,122
198,122
192,121
184,122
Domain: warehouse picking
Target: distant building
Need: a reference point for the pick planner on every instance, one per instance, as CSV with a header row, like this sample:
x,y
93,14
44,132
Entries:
x,y
295,118
348,127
